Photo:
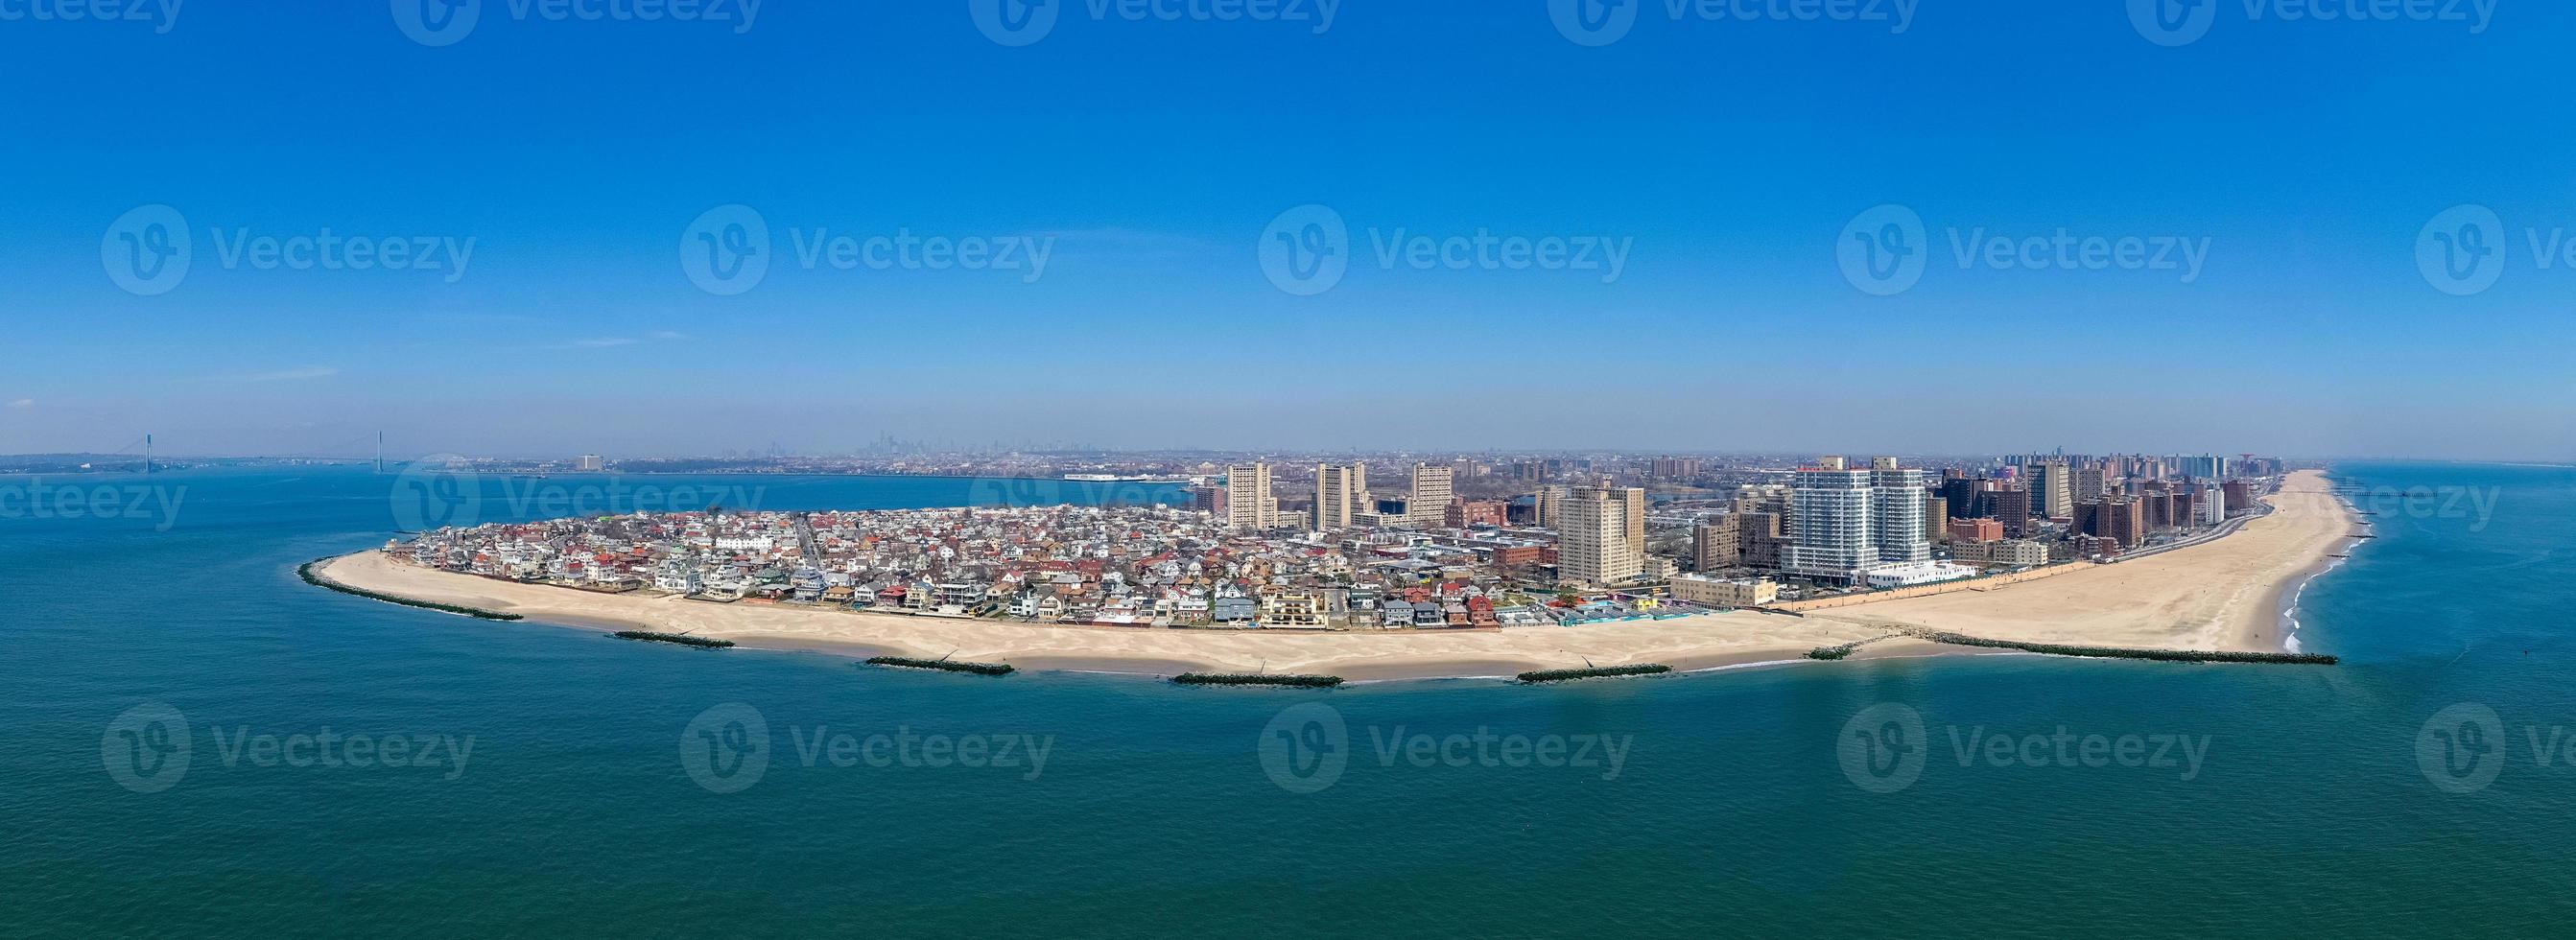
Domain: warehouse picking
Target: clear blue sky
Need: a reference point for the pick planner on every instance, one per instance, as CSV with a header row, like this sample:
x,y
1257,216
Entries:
x,y
1729,155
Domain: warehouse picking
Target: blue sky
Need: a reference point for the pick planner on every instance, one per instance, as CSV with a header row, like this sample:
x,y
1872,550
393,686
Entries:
x,y
1149,154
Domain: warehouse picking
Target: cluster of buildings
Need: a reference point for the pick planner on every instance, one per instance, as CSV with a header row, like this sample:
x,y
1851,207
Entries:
x,y
1837,524
1461,543
1113,565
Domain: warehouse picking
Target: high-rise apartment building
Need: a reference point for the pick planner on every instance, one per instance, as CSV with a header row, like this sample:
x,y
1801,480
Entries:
x,y
2092,481
1896,513
1845,522
1249,507
2010,505
1593,544
1429,504
2052,489
1551,503
1633,500
1962,495
1717,544
1758,538
1832,538
593,463
1341,495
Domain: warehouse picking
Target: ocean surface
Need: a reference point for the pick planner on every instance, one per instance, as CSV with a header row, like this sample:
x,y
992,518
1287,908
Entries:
x,y
167,684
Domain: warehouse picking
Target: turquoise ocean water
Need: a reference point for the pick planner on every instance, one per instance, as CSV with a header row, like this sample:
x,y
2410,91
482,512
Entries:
x,y
1851,798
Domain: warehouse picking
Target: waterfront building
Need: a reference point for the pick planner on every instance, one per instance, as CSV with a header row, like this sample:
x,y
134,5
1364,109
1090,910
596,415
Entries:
x,y
2206,466
1896,513
1917,573
1833,533
1593,544
2209,503
2014,553
1725,592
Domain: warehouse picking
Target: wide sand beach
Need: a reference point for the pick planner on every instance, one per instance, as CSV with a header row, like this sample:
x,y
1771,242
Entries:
x,y
2225,594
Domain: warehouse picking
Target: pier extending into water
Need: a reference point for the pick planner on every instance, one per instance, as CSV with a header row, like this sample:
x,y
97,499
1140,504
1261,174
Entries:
x,y
1593,672
1257,678
2124,652
944,665
682,639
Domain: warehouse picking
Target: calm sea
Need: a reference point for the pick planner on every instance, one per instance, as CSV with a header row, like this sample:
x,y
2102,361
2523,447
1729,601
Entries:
x,y
180,755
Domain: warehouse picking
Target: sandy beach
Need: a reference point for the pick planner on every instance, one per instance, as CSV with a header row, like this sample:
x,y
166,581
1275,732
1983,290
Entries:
x,y
2224,594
